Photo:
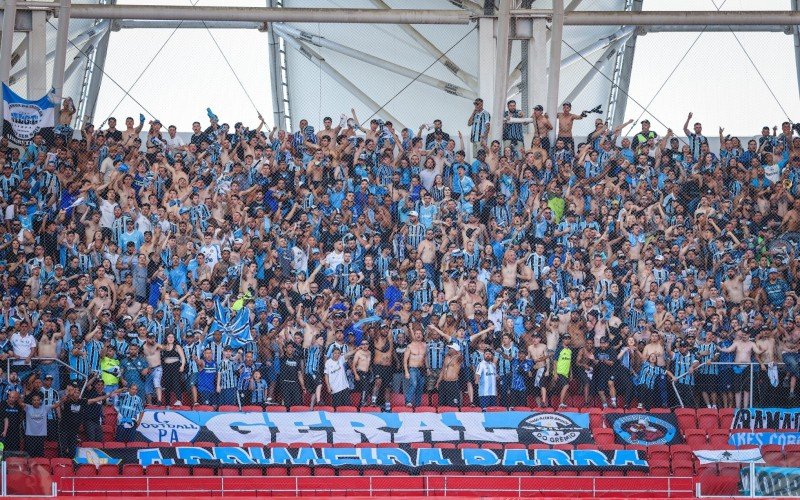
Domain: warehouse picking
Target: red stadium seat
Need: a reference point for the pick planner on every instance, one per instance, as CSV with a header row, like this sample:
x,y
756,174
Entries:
x,y
370,409
425,409
209,444
687,418
514,446
229,408
682,468
417,446
402,409
156,470
203,471
596,418
132,470
254,408
299,471
228,471
275,409
251,470
91,444
114,445
564,447
179,471
86,471
603,436
725,418
346,409
659,468
495,409
324,408
492,446
696,438
108,470
324,471
658,453
446,446
707,418
447,409
365,445
681,452
773,455
718,438
345,471
295,409
203,408
373,472
319,446
137,444
464,446
729,469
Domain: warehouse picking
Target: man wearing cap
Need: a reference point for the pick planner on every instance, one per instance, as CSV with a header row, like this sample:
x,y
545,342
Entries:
x,y
643,137
479,123
683,365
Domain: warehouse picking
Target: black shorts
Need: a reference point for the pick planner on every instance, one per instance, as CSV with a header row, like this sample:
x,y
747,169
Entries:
x,y
707,382
383,372
313,381
561,382
449,393
741,381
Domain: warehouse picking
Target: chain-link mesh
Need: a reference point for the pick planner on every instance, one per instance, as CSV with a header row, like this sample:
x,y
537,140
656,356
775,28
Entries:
x,y
352,308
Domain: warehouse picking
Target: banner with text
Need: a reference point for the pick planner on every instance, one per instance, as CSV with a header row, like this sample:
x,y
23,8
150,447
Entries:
x,y
784,419
327,427
763,438
23,119
772,482
399,457
645,429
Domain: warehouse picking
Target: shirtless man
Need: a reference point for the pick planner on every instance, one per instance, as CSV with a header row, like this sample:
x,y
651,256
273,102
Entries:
x,y
46,348
104,280
744,348
382,366
469,297
768,375
790,355
448,383
538,353
152,355
427,252
100,302
733,287
360,365
791,219
509,269
414,367
565,121
576,328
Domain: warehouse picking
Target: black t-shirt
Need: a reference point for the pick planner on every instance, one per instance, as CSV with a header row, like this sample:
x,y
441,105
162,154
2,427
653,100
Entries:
x,y
93,412
15,415
290,367
114,134
72,413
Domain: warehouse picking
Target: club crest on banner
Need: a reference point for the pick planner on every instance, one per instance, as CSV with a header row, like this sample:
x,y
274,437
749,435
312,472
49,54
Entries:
x,y
644,429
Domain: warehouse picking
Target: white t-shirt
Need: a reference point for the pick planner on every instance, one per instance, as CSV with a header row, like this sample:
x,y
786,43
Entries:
x,y
772,172
23,346
487,381
337,375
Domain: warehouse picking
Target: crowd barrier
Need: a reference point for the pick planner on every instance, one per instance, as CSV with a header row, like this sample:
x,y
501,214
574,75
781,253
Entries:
x,y
400,485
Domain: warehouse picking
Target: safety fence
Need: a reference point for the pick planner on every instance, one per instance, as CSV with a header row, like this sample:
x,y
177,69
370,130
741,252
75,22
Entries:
x,y
401,485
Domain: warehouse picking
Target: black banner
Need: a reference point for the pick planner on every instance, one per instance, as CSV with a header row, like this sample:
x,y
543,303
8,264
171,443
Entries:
x,y
767,418
399,457
645,429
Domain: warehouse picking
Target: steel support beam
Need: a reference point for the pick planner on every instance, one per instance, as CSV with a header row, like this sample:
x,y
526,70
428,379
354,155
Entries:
x,y
278,78
37,48
537,62
375,61
226,25
90,34
20,51
7,39
681,18
88,100
598,67
672,28
486,60
623,78
796,35
270,14
60,59
430,47
320,62
79,58
554,70
498,101
594,47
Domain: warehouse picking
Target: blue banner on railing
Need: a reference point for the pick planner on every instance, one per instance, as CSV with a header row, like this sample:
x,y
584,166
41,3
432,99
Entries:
x,y
772,482
785,419
330,427
764,438
399,457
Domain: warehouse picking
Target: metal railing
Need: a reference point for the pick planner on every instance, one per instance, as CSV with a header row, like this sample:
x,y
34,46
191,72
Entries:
x,y
694,372
84,376
436,485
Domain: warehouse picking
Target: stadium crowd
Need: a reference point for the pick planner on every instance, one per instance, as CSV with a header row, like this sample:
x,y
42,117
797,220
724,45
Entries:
x,y
249,266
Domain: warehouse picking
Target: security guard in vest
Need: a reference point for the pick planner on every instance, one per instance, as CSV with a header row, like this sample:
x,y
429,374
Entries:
x,y
642,137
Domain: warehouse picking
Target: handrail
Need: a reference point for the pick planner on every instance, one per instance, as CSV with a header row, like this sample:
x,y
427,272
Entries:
x,y
45,358
751,363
